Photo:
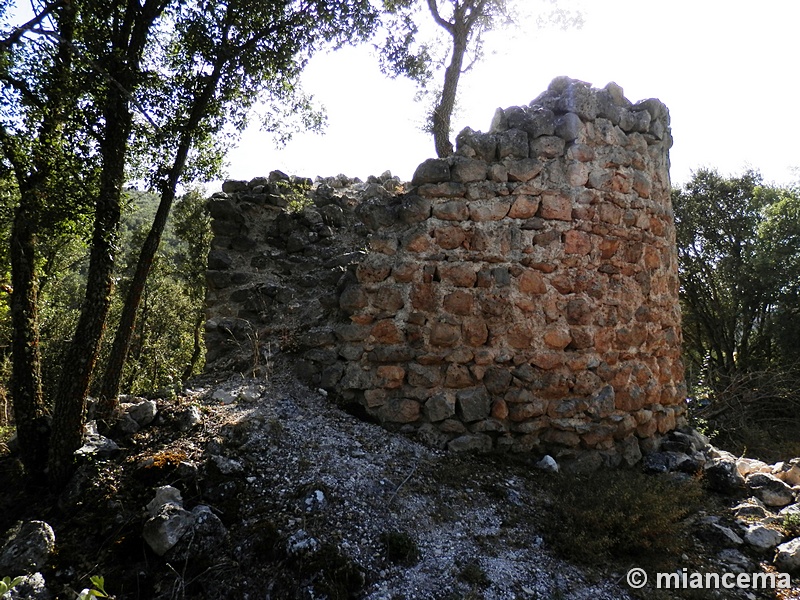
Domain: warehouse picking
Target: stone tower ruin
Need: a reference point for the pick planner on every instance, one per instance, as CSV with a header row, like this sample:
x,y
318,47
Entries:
x,y
521,295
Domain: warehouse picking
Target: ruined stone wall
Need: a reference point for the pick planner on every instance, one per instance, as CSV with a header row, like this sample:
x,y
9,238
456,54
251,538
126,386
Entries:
x,y
521,294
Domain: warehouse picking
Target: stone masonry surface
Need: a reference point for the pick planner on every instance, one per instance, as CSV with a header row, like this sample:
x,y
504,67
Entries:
x,y
520,295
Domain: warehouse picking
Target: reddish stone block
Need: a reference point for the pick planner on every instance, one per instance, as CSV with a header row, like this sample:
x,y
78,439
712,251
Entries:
x,y
417,242
524,207
582,337
520,336
458,376
454,210
362,319
450,238
474,331
547,360
562,438
390,377
531,282
499,409
404,272
555,206
386,332
444,334
424,297
458,274
459,302
557,337
489,210
577,242
373,270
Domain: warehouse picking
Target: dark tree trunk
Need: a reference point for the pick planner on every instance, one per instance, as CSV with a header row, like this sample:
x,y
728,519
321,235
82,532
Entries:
x,y
128,40
26,382
443,111
112,376
32,174
198,347
70,401
109,389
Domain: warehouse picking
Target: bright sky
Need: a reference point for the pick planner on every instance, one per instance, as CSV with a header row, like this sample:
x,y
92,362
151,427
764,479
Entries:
x,y
725,68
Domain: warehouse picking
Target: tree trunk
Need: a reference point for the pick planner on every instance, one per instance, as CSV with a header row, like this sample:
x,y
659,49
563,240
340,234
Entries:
x,y
77,365
198,347
26,382
109,393
443,111
109,389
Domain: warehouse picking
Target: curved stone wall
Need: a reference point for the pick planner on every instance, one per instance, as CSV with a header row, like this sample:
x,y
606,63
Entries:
x,y
523,293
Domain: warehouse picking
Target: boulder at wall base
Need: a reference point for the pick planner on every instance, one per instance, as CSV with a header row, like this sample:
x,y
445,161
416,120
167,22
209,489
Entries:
x,y
771,490
787,557
28,548
722,476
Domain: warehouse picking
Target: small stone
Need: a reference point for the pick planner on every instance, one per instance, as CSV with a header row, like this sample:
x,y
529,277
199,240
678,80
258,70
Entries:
x,y
30,587
746,466
165,529
164,495
471,442
771,490
468,170
523,170
789,472
524,207
547,463
189,417
752,507
512,144
715,533
556,206
762,537
439,407
549,146
568,127
788,555
723,477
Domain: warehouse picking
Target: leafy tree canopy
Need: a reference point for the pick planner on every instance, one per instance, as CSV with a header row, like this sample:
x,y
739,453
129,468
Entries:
x,y
739,259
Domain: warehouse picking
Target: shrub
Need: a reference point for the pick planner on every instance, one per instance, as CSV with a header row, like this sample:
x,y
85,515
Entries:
x,y
613,514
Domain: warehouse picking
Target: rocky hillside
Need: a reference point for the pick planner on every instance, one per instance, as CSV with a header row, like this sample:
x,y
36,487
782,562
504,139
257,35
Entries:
x,y
261,488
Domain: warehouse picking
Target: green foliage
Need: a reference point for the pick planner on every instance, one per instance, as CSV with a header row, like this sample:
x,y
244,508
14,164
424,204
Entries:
x,y
791,525
739,263
173,302
7,584
739,266
621,514
96,591
296,195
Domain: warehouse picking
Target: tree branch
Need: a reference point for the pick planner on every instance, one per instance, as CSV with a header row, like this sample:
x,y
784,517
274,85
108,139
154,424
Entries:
x,y
18,32
446,25
23,88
